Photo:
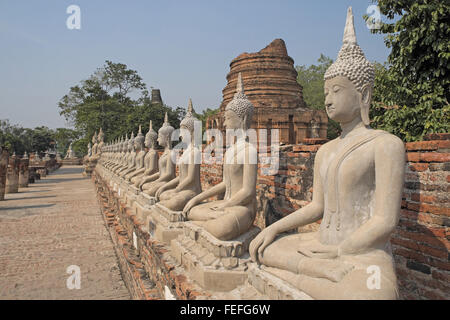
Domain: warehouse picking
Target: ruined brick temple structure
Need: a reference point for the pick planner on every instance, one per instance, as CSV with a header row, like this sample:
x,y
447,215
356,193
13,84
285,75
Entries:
x,y
270,81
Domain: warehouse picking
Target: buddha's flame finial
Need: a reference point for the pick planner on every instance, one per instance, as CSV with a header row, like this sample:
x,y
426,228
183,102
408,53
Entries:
x,y
240,85
349,32
166,119
140,129
190,108
151,126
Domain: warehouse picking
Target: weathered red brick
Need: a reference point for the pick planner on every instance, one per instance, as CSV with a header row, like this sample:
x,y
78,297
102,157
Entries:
x,y
422,145
413,156
435,157
418,166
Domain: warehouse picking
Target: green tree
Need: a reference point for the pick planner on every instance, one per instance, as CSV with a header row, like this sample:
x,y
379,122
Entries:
x,y
412,92
19,140
312,81
205,115
103,101
63,138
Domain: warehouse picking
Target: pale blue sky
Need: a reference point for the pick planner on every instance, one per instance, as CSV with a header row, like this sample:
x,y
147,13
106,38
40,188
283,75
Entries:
x,y
182,47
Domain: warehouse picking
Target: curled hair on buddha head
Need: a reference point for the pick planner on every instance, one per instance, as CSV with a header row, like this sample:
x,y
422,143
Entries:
x,y
189,119
351,62
166,128
240,103
151,134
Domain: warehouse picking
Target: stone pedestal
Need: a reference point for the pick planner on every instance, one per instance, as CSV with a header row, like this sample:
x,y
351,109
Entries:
x,y
4,160
271,286
24,173
163,224
12,176
214,264
142,207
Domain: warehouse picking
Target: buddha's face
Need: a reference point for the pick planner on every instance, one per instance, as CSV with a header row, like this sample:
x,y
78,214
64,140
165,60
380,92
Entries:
x,y
137,144
342,100
185,134
148,142
162,140
232,120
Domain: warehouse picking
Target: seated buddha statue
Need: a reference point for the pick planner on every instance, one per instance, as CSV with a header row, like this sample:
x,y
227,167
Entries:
x,y
165,164
139,155
130,158
94,147
123,160
115,158
150,159
234,215
177,192
141,159
358,184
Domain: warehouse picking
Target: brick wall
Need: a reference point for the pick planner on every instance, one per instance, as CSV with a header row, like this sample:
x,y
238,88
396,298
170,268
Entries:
x,y
421,241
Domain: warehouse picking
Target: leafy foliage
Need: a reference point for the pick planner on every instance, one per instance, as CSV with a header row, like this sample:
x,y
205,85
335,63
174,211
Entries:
x,y
311,79
204,116
19,140
411,96
103,101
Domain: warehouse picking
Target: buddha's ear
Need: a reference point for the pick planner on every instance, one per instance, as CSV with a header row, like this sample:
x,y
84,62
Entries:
x,y
244,123
366,99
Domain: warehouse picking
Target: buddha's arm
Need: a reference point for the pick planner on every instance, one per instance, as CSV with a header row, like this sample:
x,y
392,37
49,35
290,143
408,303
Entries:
x,y
137,172
170,171
151,178
389,177
169,185
248,190
193,169
152,165
306,215
211,192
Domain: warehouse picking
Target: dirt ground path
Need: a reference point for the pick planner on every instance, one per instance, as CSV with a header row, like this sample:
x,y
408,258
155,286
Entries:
x,y
53,224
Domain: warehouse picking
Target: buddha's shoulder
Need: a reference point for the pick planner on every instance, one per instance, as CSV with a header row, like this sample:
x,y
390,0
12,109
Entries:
x,y
381,138
388,142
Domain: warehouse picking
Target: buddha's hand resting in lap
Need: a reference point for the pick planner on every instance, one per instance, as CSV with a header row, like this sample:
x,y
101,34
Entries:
x,y
158,193
261,241
191,203
318,250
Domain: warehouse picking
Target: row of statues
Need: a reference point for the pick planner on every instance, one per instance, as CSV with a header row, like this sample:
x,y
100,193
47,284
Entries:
x,y
358,179
156,176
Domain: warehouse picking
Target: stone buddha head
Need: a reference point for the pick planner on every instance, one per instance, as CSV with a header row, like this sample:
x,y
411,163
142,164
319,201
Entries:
x,y
349,80
188,123
130,145
125,144
139,140
239,111
165,133
151,137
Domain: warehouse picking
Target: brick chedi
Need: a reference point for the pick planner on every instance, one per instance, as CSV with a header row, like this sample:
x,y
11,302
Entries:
x,y
270,82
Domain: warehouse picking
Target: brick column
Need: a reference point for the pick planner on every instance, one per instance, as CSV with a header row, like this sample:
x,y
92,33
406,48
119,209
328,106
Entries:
x,y
4,158
24,173
12,176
